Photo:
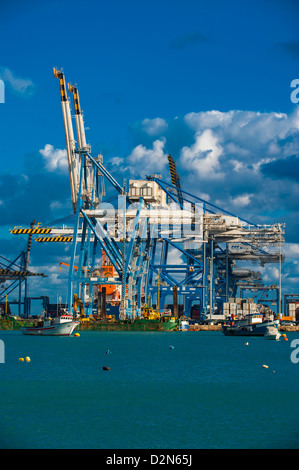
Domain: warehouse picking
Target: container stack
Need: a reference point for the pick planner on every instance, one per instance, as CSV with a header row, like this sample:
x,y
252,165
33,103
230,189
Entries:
x,y
292,308
238,307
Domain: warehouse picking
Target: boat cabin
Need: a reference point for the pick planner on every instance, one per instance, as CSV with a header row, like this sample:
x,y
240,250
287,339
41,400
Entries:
x,y
250,319
62,319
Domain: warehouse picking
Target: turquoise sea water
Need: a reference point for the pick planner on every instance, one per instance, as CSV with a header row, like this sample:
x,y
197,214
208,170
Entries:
x,y
209,391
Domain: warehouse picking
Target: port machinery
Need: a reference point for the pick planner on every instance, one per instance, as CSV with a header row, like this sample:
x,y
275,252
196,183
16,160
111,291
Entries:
x,y
161,240
14,276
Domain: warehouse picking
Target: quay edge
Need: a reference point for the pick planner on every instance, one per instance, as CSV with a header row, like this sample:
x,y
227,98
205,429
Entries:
x,y
11,324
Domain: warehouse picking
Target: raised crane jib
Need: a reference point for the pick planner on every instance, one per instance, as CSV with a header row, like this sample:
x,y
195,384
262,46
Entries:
x,y
87,192
69,137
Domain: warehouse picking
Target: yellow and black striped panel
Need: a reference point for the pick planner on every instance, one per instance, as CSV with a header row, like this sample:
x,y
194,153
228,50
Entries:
x,y
59,74
60,238
76,103
18,231
62,89
74,90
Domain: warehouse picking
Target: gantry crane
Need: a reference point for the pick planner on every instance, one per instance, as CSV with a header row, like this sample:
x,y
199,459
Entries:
x,y
16,274
207,270
73,163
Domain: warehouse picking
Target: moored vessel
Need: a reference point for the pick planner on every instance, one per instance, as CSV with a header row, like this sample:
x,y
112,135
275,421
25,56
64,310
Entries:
x,y
272,333
252,324
59,326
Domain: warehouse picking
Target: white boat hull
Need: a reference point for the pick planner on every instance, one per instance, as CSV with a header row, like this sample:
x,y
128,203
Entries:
x,y
253,329
272,333
276,337
62,329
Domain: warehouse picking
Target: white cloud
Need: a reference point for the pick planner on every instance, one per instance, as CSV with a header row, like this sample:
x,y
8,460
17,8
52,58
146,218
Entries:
x,y
203,155
237,166
21,86
143,161
56,205
242,200
118,161
291,250
155,126
248,134
204,196
55,159
208,119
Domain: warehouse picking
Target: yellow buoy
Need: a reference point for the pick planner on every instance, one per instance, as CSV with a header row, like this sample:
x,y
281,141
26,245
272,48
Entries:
x,y
77,334
27,358
266,367
21,359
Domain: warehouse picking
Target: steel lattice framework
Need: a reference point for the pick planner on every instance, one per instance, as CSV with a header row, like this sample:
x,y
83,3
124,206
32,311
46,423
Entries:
x,y
160,239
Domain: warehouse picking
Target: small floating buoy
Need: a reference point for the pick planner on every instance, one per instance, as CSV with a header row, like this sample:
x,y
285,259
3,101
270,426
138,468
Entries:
x,y
265,367
106,368
77,334
27,358
283,335
285,339
21,359
246,344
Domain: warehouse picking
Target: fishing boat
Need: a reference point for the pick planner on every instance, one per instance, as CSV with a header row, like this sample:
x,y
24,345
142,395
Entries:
x,y
59,326
272,333
252,324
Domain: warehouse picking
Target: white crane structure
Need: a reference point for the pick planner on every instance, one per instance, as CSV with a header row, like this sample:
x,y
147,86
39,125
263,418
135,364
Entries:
x,y
163,222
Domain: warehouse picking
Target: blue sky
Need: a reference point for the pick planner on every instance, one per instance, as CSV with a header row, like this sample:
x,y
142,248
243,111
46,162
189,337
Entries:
x,y
208,82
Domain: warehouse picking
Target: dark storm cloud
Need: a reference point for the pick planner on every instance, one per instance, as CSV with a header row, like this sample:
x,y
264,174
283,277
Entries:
x,y
282,168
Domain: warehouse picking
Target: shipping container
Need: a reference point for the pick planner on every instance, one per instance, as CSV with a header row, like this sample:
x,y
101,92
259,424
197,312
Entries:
x,y
295,304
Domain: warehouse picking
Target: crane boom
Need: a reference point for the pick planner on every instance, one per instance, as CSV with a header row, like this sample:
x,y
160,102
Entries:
x,y
79,117
89,169
69,136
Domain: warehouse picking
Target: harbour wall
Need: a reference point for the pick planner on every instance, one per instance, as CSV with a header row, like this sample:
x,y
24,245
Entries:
x,y
18,324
